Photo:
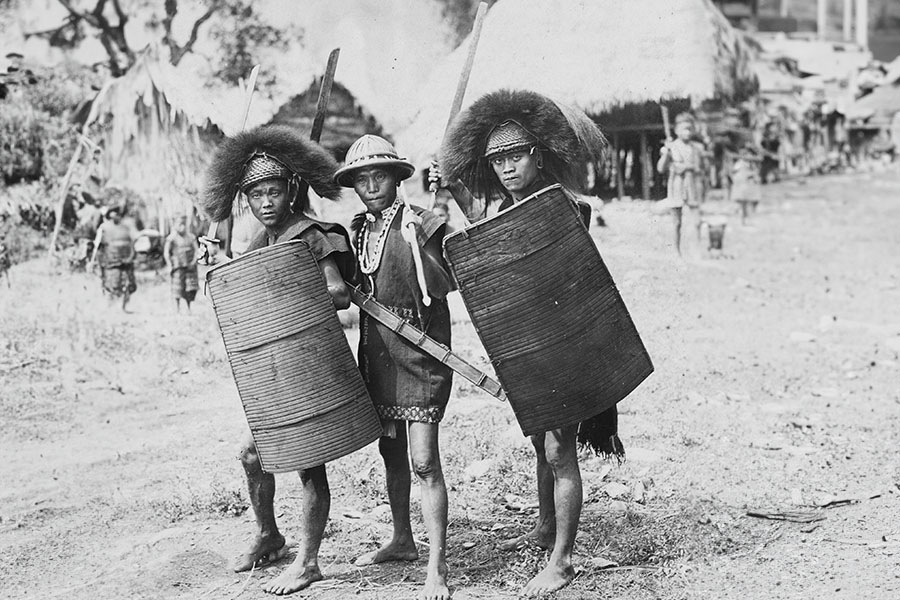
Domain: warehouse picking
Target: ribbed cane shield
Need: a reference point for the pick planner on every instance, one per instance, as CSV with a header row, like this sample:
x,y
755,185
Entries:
x,y
548,312
302,393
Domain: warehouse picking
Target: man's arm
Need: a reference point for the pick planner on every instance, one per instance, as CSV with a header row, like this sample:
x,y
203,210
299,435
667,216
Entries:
x,y
340,295
167,251
665,159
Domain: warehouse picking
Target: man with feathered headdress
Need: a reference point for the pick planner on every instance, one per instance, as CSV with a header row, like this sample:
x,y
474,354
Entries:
x,y
270,168
505,147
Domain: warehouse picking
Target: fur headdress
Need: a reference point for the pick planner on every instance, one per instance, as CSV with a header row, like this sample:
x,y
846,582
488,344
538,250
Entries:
x,y
304,158
566,137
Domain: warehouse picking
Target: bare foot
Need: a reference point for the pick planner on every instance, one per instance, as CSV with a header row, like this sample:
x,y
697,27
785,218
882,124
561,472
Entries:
x,y
293,579
263,551
550,579
540,539
389,552
435,588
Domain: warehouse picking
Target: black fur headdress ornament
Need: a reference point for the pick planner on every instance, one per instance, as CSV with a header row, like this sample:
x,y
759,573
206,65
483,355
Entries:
x,y
276,151
566,138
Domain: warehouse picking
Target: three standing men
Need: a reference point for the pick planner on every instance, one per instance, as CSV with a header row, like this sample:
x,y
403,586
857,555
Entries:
x,y
507,146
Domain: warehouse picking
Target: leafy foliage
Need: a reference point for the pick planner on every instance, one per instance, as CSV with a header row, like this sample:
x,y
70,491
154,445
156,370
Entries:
x,y
36,135
241,34
461,15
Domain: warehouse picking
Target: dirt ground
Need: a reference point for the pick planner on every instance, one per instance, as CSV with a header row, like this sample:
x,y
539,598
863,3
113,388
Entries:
x,y
776,391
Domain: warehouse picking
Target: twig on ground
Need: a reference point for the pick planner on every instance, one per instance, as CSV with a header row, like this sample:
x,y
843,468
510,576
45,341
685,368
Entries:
x,y
11,368
759,548
649,568
246,581
794,516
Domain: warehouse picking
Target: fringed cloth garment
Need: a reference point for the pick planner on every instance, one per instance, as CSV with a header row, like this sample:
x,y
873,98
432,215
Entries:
x,y
118,268
600,432
182,253
405,383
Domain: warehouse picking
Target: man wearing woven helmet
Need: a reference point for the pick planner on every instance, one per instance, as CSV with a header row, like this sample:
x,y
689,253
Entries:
x,y
410,389
505,147
270,167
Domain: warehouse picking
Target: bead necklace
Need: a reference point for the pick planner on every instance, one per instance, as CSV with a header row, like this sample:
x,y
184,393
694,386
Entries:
x,y
368,264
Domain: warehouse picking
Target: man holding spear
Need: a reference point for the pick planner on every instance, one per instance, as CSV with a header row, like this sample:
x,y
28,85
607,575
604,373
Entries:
x,y
272,169
269,166
505,147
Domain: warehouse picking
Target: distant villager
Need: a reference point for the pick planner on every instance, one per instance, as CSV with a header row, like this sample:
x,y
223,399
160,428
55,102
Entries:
x,y
116,251
180,253
683,159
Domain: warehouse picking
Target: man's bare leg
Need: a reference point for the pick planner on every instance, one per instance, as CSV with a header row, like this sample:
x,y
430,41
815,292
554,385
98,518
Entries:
x,y
676,219
562,456
426,464
269,545
396,463
315,505
544,533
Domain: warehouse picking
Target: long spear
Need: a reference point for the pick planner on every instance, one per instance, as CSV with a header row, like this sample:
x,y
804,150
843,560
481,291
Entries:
x,y
410,233
463,82
211,236
322,106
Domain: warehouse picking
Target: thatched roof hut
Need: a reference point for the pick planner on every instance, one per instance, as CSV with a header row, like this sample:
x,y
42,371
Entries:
x,y
345,121
155,131
603,56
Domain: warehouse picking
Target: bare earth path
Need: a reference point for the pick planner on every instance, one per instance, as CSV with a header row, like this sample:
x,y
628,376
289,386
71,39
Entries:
x,y
777,388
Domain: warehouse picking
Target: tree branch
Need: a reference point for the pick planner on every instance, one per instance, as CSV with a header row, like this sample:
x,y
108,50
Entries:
x,y
176,51
111,37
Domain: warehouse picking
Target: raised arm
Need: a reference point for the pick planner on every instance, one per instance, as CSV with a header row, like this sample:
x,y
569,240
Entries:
x,y
473,208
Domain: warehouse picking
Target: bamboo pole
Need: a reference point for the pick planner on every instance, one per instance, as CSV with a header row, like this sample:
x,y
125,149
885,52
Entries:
x,y
61,203
620,182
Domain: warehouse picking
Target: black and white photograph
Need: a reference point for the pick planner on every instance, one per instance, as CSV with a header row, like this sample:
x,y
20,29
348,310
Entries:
x,y
450,299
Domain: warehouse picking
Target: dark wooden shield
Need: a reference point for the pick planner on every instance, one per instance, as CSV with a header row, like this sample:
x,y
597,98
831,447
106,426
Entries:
x,y
548,312
302,393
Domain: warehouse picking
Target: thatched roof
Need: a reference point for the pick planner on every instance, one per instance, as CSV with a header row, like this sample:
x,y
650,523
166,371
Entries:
x,y
154,129
597,55
877,108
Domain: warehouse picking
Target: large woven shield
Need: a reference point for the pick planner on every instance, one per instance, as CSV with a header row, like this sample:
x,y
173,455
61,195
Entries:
x,y
303,395
548,312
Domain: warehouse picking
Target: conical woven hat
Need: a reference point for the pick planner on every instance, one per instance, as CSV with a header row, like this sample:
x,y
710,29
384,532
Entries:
x,y
372,151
